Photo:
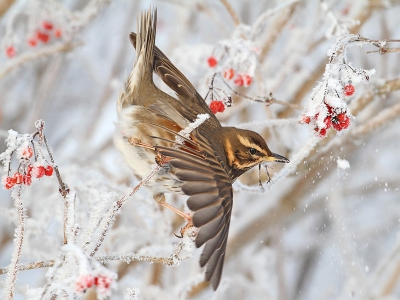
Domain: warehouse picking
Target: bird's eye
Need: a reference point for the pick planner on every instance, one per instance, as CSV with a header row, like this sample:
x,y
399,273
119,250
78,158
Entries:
x,y
252,151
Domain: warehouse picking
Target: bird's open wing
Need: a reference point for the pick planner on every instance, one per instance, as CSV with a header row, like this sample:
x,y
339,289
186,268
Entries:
x,y
174,78
210,197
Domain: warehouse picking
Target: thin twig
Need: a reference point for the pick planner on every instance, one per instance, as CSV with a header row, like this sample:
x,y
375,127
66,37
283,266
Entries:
x,y
12,271
110,217
231,12
268,100
30,266
31,56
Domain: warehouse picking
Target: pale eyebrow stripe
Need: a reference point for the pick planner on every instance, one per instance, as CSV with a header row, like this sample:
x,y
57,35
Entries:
x,y
249,144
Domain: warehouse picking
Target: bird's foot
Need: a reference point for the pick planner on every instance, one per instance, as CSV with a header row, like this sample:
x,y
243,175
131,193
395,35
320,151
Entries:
x,y
188,226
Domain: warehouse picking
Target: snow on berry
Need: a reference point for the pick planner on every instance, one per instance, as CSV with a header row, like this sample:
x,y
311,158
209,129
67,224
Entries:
x,y
84,282
229,73
39,171
212,61
349,90
306,119
48,171
8,182
47,25
10,51
247,79
217,106
26,153
29,169
27,179
57,33
103,284
238,80
18,178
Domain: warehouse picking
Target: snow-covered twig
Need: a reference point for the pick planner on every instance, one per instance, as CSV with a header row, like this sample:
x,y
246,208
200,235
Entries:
x,y
9,286
171,260
30,266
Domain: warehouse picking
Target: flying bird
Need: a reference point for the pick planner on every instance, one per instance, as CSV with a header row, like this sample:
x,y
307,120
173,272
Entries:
x,y
203,165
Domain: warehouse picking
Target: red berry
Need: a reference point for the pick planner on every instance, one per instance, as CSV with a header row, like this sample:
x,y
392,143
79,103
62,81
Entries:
x,y
103,281
27,179
345,124
48,171
238,80
212,61
306,119
337,126
341,117
29,169
27,153
330,109
57,33
18,178
221,107
247,79
349,90
229,73
217,106
8,182
39,171
47,25
10,51
321,132
44,37
32,42
328,122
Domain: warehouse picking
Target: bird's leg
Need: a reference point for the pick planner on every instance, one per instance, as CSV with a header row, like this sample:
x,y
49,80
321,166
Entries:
x,y
160,198
266,170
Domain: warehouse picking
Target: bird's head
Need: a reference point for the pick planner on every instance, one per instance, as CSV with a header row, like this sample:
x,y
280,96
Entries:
x,y
245,149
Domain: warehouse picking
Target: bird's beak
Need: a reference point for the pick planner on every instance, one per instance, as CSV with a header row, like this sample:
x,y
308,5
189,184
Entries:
x,y
277,158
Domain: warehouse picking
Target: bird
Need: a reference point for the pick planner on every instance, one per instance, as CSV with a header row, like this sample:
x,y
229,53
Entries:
x,y
202,165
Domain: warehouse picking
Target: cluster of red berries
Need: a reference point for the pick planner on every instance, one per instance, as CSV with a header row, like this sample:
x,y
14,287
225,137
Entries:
x,y
217,106
238,80
87,281
243,80
338,121
41,35
26,177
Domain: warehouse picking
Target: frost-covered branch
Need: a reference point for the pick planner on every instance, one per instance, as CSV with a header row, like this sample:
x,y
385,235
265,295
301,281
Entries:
x,y
9,286
183,250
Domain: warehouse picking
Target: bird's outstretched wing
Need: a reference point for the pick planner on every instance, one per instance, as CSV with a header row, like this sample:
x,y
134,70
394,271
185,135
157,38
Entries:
x,y
209,188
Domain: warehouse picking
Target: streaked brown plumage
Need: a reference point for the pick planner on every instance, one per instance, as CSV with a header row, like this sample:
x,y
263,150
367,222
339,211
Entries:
x,y
204,166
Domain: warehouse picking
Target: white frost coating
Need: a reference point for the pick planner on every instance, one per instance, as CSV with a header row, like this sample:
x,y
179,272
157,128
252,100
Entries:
x,y
73,270
338,73
343,164
132,294
201,118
